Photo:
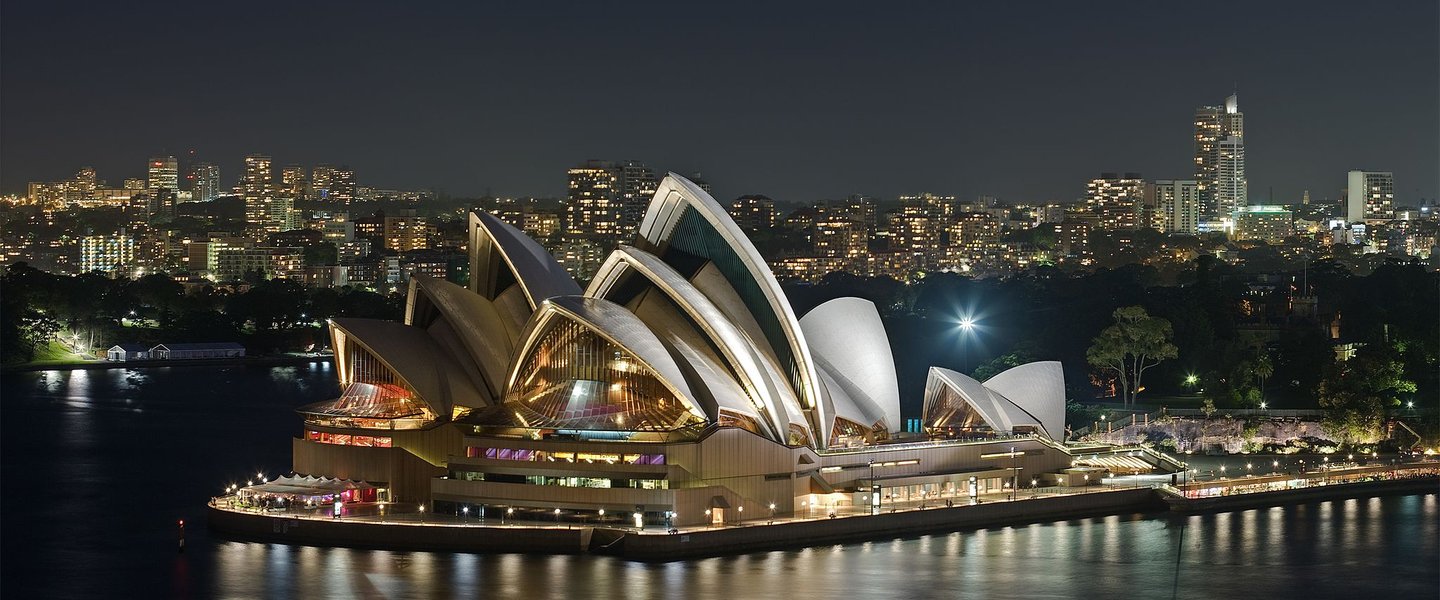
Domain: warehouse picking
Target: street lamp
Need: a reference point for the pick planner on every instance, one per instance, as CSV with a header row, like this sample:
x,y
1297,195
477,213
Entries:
x,y
1263,405
772,512
741,510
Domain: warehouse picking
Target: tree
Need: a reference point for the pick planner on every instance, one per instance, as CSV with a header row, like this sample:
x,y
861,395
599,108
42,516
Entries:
x,y
1135,343
1355,393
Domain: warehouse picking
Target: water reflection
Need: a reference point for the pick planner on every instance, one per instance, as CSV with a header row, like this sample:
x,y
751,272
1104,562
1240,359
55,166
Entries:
x,y
1111,557
116,480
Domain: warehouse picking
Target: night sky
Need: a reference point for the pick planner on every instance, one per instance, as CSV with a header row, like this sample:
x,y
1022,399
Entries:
x,y
1024,102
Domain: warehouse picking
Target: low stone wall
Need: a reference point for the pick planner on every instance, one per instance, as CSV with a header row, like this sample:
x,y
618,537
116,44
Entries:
x,y
728,540
397,536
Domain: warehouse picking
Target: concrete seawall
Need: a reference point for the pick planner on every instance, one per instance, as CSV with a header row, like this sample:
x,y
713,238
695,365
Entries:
x,y
397,536
732,540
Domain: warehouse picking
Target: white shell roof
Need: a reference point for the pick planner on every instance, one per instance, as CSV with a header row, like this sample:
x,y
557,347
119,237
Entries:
x,y
739,349
1038,388
672,196
537,272
847,340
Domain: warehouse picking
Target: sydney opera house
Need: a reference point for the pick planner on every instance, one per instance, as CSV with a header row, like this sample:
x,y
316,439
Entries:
x,y
679,384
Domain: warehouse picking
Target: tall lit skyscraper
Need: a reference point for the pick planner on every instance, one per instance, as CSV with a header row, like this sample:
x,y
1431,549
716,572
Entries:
x,y
1220,138
164,174
636,186
204,182
293,182
593,203
1176,204
257,189
1370,196
320,181
1231,187
342,185
1117,201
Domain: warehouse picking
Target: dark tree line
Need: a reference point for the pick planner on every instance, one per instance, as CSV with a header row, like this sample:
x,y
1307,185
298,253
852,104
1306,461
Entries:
x,y
97,312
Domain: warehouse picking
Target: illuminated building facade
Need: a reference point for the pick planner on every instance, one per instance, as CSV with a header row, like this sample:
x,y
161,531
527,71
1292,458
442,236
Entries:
x,y
1220,132
1271,224
257,190
204,182
1116,200
1176,206
754,213
164,174
1370,196
107,253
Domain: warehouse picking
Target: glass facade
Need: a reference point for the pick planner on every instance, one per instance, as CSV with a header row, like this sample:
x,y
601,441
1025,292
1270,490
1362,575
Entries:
x,y
345,439
574,378
949,413
525,454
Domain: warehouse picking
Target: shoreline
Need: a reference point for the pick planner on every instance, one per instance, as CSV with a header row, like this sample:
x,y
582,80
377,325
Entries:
x,y
654,545
258,361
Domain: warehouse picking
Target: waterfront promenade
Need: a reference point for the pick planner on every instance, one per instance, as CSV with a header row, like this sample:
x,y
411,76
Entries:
x,y
408,526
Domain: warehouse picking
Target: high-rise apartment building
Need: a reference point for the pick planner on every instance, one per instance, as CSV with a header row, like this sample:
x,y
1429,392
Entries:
x,y
1231,187
840,237
293,182
1116,201
1220,143
342,185
637,187
1176,205
1370,196
320,181
257,189
754,213
204,182
164,174
405,231
107,253
593,203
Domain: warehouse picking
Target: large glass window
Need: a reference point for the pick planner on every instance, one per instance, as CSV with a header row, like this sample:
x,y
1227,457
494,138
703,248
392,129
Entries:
x,y
573,378
345,439
528,455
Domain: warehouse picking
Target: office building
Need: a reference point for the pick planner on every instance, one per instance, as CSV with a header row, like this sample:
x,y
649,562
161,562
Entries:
x,y
1220,133
164,174
204,182
1370,196
754,213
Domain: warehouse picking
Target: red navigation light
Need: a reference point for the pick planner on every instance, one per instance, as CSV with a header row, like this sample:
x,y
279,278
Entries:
x,y
182,522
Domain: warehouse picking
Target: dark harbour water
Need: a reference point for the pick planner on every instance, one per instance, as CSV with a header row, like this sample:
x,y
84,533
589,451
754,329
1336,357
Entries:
x,y
96,467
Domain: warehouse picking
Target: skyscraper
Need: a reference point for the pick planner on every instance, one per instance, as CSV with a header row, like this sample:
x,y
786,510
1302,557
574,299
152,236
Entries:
x,y
257,189
1117,201
1231,188
1176,204
1220,132
342,185
164,174
293,183
1370,196
593,206
320,182
637,187
204,182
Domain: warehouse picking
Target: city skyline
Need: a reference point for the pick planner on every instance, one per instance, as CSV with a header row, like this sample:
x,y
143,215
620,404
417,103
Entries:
x,y
798,106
